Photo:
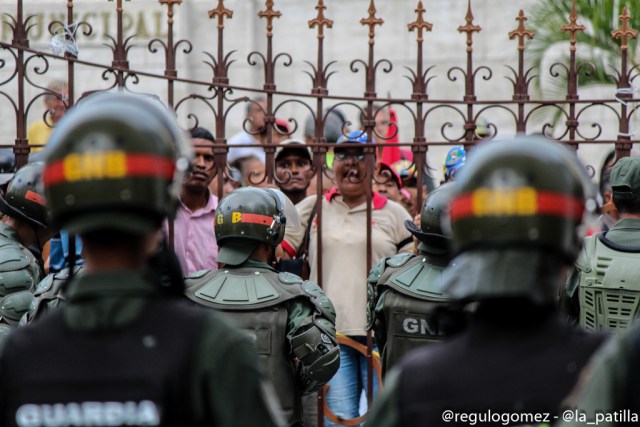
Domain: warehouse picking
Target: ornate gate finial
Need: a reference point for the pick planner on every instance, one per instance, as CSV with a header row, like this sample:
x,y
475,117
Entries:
x,y
372,21
420,24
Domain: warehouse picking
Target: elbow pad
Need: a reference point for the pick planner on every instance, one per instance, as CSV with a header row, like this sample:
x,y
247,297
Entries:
x,y
319,355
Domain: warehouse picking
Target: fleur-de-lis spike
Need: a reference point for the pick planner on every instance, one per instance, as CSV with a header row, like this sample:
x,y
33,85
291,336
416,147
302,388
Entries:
x,y
521,32
321,21
573,27
469,28
372,21
420,24
625,31
269,14
220,12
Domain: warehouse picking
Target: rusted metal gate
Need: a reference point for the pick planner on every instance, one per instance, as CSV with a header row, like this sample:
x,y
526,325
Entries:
x,y
217,91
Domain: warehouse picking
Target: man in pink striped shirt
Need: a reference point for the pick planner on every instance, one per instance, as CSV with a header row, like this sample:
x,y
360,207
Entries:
x,y
194,240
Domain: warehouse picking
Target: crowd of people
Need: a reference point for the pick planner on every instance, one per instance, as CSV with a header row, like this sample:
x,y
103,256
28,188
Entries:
x,y
488,299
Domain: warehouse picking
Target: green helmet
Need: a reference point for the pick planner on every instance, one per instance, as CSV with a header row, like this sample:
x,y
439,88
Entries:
x,y
115,161
24,198
245,217
525,193
434,238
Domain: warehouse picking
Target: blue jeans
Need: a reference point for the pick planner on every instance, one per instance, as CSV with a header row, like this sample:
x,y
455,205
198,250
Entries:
x,y
348,384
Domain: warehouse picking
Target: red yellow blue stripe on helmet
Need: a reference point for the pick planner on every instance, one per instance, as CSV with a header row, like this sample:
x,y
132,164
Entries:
x,y
514,202
107,165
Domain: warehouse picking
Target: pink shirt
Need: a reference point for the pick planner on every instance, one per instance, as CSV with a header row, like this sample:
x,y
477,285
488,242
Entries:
x,y
194,239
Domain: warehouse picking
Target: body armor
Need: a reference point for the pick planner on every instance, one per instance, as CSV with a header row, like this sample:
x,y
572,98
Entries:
x,y
48,294
19,269
256,299
99,388
408,285
609,286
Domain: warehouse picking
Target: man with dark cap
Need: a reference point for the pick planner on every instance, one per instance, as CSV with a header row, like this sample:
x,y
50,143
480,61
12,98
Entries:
x,y
603,291
290,321
124,349
515,213
293,169
404,290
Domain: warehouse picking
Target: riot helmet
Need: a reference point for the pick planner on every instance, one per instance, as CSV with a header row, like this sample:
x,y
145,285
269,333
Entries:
x,y
516,214
115,162
24,198
248,216
434,238
529,192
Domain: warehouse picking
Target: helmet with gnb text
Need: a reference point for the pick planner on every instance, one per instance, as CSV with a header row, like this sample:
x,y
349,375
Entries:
x,y
523,193
248,216
115,162
24,198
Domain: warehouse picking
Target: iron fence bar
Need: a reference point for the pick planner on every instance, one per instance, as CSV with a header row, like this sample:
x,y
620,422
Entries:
x,y
623,83
469,78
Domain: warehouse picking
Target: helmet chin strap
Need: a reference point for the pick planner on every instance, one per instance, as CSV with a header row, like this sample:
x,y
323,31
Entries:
x,y
38,246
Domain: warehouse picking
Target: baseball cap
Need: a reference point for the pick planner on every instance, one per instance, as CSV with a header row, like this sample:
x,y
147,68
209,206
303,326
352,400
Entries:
x,y
293,145
353,137
456,158
391,173
625,177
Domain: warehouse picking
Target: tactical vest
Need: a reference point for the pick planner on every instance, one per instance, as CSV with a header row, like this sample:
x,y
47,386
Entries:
x,y
134,377
523,370
254,300
411,293
609,288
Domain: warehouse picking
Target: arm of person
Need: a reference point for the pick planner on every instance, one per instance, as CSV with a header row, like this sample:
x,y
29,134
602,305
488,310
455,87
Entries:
x,y
228,388
311,333
375,305
403,238
569,294
294,238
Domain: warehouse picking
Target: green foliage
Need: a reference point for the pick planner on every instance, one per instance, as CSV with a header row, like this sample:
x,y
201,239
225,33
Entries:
x,y
595,44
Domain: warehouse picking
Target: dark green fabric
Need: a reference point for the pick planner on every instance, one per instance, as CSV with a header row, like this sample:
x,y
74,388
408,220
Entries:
x,y
225,374
625,176
625,232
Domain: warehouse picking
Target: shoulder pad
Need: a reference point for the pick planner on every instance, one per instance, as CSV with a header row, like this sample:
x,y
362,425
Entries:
x,y
418,280
15,305
226,287
54,281
18,269
290,278
399,260
197,274
44,285
377,270
198,278
323,304
12,256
